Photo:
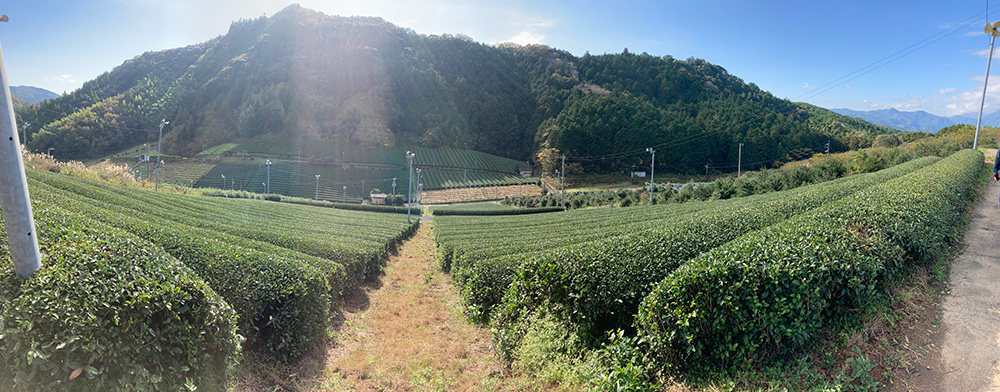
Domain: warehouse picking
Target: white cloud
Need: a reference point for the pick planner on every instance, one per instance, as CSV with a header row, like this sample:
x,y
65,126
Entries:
x,y
806,86
984,53
947,90
63,79
526,37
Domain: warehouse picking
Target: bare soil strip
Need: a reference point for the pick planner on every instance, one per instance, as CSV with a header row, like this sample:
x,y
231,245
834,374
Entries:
x,y
410,334
968,349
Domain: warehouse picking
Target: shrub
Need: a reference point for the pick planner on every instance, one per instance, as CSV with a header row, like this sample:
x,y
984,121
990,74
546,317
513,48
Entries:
x,y
772,291
116,310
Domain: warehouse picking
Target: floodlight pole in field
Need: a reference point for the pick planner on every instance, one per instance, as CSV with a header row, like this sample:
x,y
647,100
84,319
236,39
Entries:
x,y
14,199
418,185
163,122
652,172
223,182
345,194
317,187
268,163
739,163
409,189
562,184
991,29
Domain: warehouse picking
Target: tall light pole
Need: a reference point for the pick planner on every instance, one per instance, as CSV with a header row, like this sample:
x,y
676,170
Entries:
x,y
739,163
268,177
394,186
409,191
25,131
345,194
991,29
652,173
163,122
14,199
418,185
317,187
223,182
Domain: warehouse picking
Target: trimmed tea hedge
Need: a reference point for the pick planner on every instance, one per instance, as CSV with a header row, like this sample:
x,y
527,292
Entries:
x,y
598,286
117,310
283,303
772,291
485,212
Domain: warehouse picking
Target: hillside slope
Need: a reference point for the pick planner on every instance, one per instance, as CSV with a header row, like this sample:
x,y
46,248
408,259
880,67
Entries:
x,y
306,75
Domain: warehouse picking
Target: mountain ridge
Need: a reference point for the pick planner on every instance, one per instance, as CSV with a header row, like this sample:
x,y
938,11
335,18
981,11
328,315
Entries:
x,y
303,74
919,120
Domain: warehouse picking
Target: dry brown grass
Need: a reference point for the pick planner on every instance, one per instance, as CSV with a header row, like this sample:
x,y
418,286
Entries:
x,y
404,332
479,194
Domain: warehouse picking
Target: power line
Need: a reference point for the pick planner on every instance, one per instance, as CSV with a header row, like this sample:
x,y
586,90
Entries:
x,y
891,58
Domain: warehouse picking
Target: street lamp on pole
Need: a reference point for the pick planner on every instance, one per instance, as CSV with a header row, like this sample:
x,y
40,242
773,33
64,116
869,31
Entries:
x,y
992,30
418,185
163,122
409,186
652,172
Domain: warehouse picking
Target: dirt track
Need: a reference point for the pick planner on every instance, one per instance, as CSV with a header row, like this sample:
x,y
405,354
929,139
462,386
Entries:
x,y
969,352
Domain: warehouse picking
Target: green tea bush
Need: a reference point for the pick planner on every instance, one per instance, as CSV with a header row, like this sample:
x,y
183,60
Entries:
x,y
116,311
283,304
771,292
598,286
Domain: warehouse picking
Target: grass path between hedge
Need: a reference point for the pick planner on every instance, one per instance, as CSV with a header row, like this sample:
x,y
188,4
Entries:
x,y
408,334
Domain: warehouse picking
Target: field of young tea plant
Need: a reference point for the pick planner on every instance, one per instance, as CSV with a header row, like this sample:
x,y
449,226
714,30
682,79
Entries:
x,y
709,284
161,290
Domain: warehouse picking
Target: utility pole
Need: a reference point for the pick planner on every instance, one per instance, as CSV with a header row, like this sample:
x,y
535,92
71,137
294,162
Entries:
x,y
991,29
159,144
418,185
827,147
14,199
362,190
24,141
394,186
706,168
223,182
268,177
558,187
652,172
562,184
739,164
409,191
317,187
345,194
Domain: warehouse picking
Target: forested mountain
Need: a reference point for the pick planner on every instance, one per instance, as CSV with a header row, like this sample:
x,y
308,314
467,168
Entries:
x,y
32,94
303,74
920,121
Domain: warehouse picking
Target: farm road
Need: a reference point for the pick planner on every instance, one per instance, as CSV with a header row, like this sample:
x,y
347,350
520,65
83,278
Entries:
x,y
413,335
969,347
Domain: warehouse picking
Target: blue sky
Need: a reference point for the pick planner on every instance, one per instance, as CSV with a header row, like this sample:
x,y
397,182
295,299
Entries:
x,y
790,48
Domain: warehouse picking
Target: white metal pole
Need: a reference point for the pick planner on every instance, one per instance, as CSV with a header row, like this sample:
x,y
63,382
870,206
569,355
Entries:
x,y
268,177
409,186
14,198
739,164
158,145
982,102
652,172
317,187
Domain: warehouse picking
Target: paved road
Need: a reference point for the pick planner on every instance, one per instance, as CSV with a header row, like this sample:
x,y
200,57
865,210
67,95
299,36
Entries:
x,y
970,352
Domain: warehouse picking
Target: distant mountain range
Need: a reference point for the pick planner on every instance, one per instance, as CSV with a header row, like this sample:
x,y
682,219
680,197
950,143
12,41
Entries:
x,y
32,94
918,120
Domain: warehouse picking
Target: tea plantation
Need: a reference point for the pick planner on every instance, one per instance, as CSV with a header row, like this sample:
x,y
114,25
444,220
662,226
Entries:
x,y
143,290
709,285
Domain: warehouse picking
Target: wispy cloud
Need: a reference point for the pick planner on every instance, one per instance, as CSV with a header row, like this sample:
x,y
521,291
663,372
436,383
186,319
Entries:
x,y
806,86
526,37
947,90
63,79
